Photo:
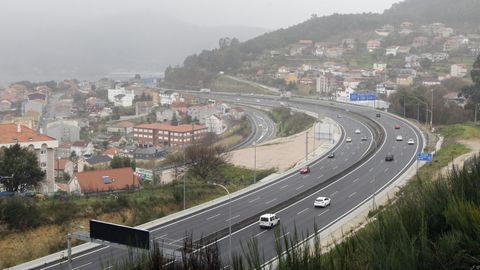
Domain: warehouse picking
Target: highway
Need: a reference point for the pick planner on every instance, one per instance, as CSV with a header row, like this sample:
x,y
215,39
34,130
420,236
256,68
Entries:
x,y
263,127
292,196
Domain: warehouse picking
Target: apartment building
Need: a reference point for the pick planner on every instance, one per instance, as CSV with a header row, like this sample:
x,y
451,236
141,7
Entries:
x,y
44,146
157,134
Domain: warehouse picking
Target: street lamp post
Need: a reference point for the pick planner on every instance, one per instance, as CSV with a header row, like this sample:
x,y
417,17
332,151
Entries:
x,y
254,162
229,219
431,113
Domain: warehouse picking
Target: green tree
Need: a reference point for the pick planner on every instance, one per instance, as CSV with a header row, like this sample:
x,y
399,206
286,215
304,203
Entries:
x,y
22,165
174,121
117,162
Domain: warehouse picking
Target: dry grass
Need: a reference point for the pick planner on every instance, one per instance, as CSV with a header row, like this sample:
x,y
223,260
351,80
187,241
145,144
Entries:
x,y
21,247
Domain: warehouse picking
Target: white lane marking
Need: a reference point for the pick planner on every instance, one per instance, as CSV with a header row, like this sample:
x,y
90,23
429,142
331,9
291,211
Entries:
x,y
259,233
321,168
283,235
371,169
351,195
111,266
333,194
283,187
306,209
323,212
320,176
269,202
83,265
300,187
334,168
178,240
213,216
373,180
386,170
356,179
161,236
254,200
237,216
76,257
346,159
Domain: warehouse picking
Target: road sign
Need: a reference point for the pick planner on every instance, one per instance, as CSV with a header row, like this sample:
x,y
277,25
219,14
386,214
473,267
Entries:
x,y
363,96
119,234
424,156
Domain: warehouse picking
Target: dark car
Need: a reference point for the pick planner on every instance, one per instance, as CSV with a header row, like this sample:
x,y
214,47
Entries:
x,y
378,115
305,170
331,155
389,157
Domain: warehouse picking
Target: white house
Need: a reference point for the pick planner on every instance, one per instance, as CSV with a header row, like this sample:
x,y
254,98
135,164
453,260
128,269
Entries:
x,y
82,148
458,70
121,97
393,50
169,98
215,124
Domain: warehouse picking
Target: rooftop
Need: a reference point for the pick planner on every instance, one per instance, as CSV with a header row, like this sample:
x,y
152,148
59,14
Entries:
x,y
179,128
12,133
107,180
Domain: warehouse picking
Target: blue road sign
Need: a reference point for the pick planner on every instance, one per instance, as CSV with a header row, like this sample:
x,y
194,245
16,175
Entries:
x,y
363,96
424,156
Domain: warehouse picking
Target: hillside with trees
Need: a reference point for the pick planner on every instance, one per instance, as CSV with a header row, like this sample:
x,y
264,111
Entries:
x,y
200,70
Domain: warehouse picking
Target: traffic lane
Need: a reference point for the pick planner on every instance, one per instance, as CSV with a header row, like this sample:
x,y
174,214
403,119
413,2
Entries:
x,y
271,196
359,192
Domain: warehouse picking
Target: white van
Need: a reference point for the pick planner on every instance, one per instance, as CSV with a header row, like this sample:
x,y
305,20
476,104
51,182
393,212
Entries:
x,y
268,221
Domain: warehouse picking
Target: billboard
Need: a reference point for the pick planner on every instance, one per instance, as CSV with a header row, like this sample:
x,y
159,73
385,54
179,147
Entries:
x,y
144,174
119,234
363,96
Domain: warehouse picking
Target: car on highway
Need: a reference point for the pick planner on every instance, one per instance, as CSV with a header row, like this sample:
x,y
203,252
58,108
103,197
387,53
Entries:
x,y
331,155
257,100
322,202
410,141
305,170
357,131
268,221
389,157
399,138
339,116
396,127
348,139
364,138
377,115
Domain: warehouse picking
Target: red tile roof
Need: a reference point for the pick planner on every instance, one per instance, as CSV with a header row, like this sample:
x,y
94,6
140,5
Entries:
x,y
118,179
80,143
9,133
112,151
179,128
59,164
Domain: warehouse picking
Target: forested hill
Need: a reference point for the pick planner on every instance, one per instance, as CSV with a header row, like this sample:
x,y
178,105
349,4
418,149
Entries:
x,y
198,70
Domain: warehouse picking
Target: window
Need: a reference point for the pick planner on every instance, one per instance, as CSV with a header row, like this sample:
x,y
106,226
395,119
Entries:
x,y
43,164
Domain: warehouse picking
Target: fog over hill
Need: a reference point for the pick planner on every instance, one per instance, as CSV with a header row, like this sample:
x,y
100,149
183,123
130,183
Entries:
x,y
92,46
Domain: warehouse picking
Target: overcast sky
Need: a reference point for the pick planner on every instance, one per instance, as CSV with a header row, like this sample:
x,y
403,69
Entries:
x,y
270,14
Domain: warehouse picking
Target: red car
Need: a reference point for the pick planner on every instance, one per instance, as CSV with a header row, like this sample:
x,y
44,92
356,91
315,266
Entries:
x,y
305,170
397,126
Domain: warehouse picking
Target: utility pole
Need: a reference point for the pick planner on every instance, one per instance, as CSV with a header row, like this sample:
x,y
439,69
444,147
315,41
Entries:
x,y
404,107
431,115
306,145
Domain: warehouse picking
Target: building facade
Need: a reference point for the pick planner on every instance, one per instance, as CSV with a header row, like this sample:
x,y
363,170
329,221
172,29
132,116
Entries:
x,y
44,147
150,135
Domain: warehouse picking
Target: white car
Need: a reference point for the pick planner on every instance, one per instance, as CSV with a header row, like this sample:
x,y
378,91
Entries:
x,y
411,141
268,221
321,202
348,139
399,138
357,131
257,100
